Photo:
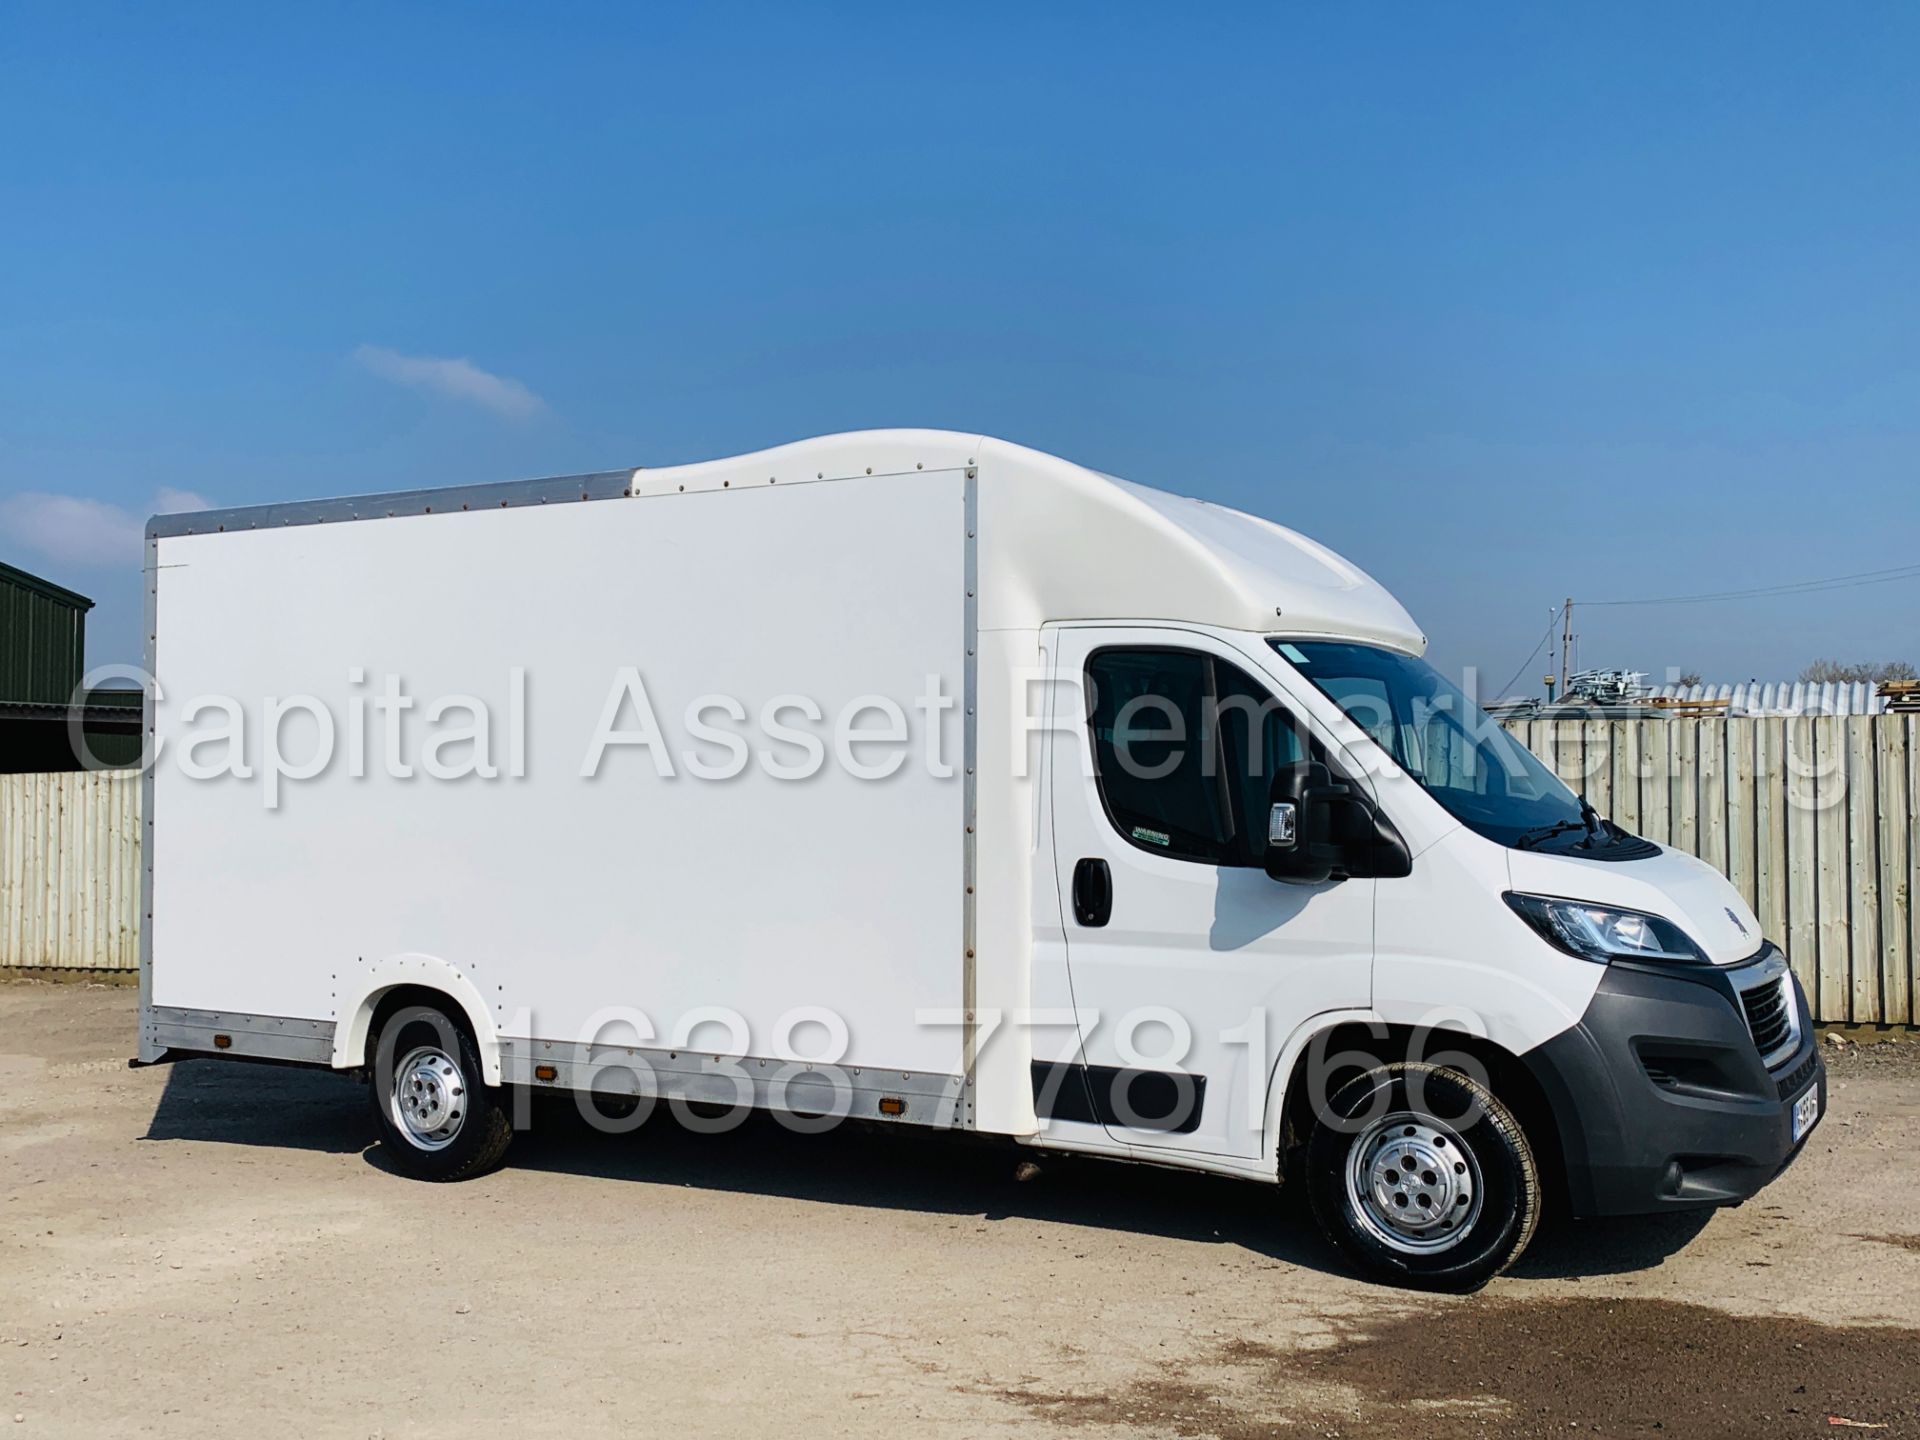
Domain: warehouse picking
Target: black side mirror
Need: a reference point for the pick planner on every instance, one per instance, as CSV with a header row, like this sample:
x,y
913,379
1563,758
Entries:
x,y
1321,829
1303,815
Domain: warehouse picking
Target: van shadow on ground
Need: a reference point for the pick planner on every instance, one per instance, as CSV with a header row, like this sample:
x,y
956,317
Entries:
x,y
224,1102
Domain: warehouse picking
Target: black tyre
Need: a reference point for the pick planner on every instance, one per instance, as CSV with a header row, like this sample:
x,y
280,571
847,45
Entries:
x,y
1423,1178
438,1119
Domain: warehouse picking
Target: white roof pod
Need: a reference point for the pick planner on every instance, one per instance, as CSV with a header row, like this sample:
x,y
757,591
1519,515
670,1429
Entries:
x,y
1062,542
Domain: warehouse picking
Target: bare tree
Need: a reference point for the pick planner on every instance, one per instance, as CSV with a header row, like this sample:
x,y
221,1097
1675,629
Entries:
x,y
1836,672
1687,678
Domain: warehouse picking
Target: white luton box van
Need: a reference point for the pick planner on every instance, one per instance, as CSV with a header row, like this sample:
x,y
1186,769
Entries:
x,y
921,778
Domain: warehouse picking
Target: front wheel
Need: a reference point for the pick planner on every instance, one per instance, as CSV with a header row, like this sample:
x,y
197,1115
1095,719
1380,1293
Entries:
x,y
1420,1176
437,1118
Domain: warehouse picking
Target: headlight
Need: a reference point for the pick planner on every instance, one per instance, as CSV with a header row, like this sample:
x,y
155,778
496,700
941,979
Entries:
x,y
1600,933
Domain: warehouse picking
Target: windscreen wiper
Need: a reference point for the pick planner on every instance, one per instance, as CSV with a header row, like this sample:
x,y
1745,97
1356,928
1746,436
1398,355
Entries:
x,y
1590,817
1599,831
1527,839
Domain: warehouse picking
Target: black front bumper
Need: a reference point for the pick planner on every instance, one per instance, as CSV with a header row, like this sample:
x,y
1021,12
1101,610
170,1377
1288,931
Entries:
x,y
1661,1097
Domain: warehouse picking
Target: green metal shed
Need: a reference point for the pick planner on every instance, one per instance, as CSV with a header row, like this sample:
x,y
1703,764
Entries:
x,y
43,643
43,637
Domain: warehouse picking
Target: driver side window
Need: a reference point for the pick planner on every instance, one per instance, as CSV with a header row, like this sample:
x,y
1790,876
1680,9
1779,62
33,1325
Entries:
x,y
1185,748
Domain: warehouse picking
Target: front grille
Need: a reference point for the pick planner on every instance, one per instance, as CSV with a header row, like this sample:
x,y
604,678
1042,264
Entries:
x,y
1769,1014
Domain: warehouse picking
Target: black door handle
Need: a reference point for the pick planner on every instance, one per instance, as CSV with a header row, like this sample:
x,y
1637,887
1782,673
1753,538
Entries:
x,y
1092,893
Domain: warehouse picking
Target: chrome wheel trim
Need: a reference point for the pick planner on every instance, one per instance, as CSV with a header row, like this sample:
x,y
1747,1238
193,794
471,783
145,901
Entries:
x,y
428,1100
1425,1208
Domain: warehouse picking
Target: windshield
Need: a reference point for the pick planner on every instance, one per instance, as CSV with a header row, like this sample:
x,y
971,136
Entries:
x,y
1484,777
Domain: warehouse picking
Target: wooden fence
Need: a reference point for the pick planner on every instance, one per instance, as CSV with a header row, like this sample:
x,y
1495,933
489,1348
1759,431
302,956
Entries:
x,y
70,871
1811,817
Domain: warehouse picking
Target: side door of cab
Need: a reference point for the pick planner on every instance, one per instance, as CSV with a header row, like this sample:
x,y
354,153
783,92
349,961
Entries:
x,y
1186,963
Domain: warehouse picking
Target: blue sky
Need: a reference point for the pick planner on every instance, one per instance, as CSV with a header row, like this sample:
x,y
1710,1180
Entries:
x,y
1505,302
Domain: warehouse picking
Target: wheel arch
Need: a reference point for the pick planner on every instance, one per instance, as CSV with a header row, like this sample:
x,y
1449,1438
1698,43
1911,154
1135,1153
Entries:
x,y
1384,1043
382,987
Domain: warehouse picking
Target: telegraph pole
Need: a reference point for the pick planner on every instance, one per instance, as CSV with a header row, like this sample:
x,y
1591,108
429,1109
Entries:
x,y
1566,640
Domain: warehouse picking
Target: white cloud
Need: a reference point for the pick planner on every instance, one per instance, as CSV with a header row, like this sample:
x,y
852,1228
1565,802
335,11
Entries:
x,y
88,534
168,501
457,379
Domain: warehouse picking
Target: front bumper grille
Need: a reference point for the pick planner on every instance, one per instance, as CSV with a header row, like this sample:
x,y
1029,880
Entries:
x,y
1792,1084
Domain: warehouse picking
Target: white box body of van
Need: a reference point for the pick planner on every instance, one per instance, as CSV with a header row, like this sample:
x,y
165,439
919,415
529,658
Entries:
x,y
786,797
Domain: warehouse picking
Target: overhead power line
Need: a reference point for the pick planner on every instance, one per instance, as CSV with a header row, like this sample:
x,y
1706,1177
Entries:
x,y
1854,581
1546,635
1795,587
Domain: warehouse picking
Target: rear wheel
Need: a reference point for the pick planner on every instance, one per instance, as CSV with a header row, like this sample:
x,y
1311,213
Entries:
x,y
438,1119
1422,1177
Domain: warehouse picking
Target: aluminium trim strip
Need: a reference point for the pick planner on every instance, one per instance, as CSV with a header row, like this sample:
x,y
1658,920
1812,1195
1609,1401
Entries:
x,y
150,1049
451,499
969,868
257,1037
764,1083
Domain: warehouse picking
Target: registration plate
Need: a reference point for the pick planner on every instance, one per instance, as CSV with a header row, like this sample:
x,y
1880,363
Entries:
x,y
1806,1110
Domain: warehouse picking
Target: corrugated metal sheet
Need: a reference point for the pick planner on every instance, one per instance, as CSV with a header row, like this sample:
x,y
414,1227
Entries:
x,y
43,631
70,871
1793,697
38,737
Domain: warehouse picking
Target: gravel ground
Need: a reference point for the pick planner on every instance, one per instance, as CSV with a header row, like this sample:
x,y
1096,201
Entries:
x,y
212,1247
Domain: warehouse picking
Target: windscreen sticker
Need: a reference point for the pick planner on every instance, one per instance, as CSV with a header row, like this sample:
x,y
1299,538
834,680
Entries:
x,y
1292,652
1151,837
